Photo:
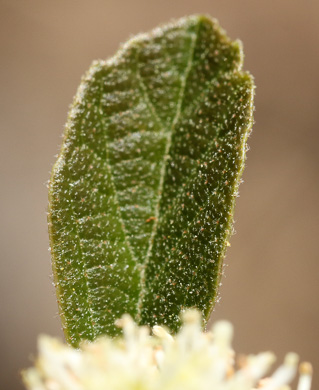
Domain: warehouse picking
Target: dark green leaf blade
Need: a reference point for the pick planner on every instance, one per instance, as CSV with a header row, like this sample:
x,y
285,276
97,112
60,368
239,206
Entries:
x,y
199,192
142,195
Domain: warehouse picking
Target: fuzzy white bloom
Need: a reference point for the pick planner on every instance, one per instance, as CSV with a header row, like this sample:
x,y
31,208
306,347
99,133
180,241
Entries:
x,y
192,360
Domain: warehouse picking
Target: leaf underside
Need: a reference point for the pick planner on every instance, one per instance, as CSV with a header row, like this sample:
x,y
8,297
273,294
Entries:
x,y
141,197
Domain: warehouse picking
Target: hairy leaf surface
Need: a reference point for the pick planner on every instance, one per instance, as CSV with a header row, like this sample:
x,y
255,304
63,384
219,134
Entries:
x,y
141,197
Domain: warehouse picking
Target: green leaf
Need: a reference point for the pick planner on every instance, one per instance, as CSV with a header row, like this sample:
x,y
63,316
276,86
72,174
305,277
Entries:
x,y
142,194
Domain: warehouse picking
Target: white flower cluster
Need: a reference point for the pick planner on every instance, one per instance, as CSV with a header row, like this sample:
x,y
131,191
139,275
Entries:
x,y
193,360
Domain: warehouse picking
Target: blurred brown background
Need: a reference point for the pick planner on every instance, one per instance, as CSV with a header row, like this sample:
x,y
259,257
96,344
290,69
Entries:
x,y
271,287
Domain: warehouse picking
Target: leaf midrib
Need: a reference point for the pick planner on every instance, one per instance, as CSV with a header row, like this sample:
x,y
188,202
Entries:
x,y
194,37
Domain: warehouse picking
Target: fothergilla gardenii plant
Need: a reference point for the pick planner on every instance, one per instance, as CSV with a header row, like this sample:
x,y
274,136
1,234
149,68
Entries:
x,y
141,204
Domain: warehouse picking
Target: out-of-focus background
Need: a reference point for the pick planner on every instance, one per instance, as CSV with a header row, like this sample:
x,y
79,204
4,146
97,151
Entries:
x,y
271,287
